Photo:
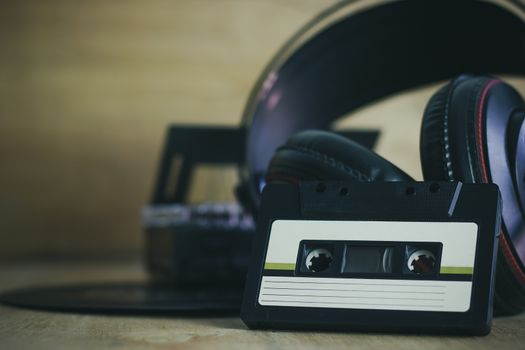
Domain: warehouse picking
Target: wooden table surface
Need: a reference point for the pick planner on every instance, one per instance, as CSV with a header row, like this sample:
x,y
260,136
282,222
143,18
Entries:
x,y
23,329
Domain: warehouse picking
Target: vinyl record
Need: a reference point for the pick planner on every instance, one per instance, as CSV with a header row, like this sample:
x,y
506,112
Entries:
x,y
124,298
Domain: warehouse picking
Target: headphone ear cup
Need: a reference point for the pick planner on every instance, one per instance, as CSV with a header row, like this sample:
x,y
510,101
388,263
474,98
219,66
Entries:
x,y
453,146
435,159
448,144
321,155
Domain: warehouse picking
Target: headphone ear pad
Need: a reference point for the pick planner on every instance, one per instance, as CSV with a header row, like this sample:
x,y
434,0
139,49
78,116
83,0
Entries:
x,y
321,155
453,146
435,159
448,143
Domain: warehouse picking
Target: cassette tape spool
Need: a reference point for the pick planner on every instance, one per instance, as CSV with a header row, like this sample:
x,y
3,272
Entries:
x,y
414,257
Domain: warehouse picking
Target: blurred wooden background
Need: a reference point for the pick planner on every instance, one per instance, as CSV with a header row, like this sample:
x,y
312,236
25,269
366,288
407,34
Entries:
x,y
87,89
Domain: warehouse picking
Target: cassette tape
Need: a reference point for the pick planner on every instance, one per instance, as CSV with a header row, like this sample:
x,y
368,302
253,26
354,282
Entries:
x,y
408,257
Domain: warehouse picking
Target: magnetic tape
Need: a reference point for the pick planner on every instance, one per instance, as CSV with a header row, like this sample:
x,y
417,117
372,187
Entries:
x,y
375,256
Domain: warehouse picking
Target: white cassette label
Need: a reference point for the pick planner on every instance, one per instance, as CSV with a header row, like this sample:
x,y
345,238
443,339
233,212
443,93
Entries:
x,y
353,293
457,257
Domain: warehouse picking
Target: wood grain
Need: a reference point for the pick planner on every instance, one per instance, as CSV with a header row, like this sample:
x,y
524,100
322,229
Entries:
x,y
25,329
87,89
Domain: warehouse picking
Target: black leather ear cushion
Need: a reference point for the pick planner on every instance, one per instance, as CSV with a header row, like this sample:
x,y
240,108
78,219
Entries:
x,y
435,159
448,139
451,149
321,155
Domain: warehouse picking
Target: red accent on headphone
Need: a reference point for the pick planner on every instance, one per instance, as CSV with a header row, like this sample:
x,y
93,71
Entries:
x,y
504,240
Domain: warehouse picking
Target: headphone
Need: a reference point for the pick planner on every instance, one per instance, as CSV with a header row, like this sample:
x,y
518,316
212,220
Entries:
x,y
357,52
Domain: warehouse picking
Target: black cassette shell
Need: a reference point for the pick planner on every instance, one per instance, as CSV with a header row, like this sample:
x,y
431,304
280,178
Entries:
x,y
451,202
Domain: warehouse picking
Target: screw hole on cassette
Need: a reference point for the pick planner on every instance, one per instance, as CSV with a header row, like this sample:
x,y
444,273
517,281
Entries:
x,y
343,191
410,191
321,187
434,187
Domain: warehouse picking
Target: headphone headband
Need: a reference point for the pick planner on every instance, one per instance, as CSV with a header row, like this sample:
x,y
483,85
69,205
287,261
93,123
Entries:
x,y
352,55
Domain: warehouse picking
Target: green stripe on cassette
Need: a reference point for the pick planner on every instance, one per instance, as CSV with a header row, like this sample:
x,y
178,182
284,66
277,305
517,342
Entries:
x,y
456,270
279,266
